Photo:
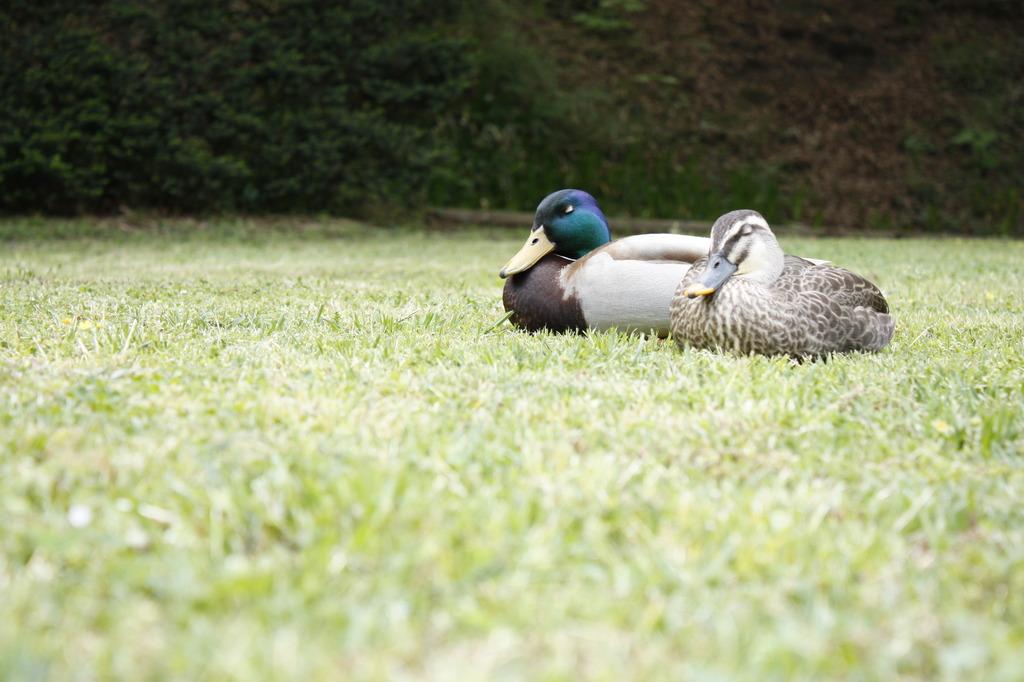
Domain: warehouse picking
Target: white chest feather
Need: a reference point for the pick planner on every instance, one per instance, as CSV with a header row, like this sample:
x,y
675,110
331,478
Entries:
x,y
629,295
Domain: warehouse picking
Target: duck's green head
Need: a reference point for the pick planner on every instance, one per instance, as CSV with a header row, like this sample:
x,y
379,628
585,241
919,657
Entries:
x,y
569,223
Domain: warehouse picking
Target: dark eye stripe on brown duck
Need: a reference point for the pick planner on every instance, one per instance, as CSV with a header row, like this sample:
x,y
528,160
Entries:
x,y
584,281
774,304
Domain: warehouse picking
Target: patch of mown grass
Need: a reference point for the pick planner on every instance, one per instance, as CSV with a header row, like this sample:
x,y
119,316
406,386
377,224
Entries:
x,y
280,457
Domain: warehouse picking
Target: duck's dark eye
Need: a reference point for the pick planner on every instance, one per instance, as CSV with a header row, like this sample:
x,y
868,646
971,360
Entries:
x,y
569,209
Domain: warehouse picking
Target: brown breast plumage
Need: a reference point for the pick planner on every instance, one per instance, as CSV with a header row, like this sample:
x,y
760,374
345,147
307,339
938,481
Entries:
x,y
537,301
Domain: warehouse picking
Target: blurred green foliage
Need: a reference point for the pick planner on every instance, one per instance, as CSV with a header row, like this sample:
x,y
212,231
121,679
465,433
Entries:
x,y
568,93
223,105
361,107
534,121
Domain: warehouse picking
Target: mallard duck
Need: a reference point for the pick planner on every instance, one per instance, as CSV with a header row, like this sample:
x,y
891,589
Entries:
x,y
746,296
569,276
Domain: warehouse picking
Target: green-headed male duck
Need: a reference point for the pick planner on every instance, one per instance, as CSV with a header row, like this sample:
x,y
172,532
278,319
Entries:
x,y
569,276
746,296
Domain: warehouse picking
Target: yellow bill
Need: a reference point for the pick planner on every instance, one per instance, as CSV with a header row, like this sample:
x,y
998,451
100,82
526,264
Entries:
x,y
536,247
697,289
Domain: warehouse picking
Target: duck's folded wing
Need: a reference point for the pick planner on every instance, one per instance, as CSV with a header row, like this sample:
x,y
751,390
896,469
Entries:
x,y
658,247
842,286
684,248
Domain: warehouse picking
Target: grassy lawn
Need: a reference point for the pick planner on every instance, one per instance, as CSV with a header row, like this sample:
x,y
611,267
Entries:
x,y
232,453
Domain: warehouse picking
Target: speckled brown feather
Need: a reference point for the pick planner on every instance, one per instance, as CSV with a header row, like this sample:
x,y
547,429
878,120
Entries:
x,y
813,310
841,285
809,311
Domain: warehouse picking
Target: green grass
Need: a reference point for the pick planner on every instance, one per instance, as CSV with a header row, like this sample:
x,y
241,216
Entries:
x,y
230,453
